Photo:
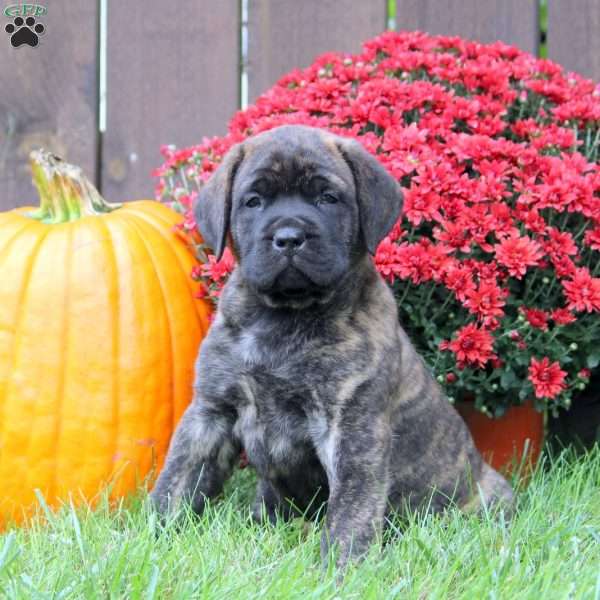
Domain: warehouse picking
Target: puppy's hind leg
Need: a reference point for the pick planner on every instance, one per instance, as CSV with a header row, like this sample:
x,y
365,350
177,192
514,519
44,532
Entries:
x,y
492,492
201,457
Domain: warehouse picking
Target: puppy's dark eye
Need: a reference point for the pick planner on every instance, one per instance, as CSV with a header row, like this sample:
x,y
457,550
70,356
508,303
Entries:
x,y
328,197
253,202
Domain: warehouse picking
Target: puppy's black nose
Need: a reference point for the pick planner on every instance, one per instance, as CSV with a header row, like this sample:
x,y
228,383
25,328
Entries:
x,y
289,239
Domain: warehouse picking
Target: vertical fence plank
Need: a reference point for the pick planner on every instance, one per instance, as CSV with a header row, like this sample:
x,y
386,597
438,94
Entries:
x,y
172,77
284,34
48,96
574,35
512,21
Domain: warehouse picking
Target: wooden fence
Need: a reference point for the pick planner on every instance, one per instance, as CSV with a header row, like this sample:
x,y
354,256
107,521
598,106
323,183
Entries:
x,y
174,69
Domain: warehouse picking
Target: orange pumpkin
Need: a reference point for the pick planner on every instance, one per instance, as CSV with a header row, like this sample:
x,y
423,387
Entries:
x,y
99,329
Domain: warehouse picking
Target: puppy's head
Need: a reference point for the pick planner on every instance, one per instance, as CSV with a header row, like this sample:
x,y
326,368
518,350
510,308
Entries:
x,y
301,206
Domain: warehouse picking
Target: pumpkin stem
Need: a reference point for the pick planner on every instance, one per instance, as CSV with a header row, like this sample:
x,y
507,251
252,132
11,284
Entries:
x,y
66,194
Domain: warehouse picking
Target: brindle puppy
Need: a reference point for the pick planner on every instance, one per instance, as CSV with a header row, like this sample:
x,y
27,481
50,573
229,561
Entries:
x,y
306,366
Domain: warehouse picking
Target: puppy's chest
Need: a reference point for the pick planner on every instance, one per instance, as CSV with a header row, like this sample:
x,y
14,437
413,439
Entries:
x,y
285,386
258,347
274,420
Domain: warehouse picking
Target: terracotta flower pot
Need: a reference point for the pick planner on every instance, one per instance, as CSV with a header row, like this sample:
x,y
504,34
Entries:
x,y
504,441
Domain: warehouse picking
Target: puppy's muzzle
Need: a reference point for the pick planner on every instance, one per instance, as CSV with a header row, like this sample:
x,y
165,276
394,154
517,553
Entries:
x,y
289,240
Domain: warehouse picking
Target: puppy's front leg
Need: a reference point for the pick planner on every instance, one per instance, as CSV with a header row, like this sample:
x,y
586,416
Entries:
x,y
358,473
200,458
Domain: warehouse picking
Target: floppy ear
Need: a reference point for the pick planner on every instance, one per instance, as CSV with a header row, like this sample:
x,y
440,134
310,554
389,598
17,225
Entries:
x,y
212,209
378,194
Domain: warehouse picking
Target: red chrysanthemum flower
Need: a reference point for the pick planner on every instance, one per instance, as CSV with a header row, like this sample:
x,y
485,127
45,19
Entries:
x,y
217,270
547,378
562,316
414,262
386,259
472,345
583,291
517,253
419,207
564,266
454,235
560,243
536,318
486,301
459,279
592,238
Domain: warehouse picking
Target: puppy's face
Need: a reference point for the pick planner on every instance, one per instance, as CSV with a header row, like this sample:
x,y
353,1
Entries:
x,y
294,218
300,206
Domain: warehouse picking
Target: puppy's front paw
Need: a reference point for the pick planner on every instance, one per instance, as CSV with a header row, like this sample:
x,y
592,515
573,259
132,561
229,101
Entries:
x,y
161,506
342,552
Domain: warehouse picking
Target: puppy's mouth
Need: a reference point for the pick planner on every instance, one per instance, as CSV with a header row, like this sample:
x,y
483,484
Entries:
x,y
294,289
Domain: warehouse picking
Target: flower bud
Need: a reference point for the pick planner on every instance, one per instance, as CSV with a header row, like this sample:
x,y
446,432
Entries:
x,y
451,399
545,280
451,378
573,346
440,378
494,386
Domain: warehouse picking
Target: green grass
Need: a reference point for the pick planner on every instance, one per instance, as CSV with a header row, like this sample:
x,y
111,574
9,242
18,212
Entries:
x,y
550,550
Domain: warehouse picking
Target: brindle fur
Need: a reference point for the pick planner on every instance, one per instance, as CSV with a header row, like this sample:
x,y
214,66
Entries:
x,y
327,395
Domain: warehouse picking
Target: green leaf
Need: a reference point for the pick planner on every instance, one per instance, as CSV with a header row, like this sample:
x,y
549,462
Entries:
x,y
508,379
522,359
499,410
593,360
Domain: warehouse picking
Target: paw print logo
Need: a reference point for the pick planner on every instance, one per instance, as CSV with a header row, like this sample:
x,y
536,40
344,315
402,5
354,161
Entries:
x,y
24,31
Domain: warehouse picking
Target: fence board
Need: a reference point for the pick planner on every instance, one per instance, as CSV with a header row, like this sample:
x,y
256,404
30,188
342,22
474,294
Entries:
x,y
512,21
573,35
283,34
172,77
48,97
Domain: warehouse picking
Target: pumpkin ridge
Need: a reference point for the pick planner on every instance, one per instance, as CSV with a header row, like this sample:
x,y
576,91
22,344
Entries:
x,y
116,345
53,484
165,307
6,243
33,255
11,239
155,219
184,268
